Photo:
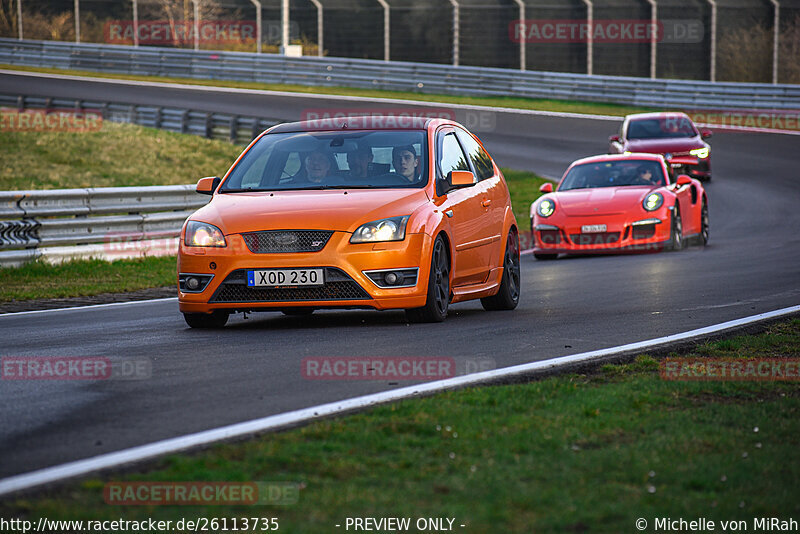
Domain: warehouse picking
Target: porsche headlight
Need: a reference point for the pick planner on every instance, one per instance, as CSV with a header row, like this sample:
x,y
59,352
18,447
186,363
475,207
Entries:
x,y
389,229
546,208
200,234
653,201
701,153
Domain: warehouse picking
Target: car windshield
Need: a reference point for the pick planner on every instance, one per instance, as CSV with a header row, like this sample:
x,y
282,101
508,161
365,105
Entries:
x,y
646,173
332,160
661,128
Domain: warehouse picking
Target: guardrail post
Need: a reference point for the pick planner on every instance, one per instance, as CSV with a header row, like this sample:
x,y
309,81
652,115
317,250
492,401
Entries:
x,y
234,124
20,103
185,121
157,119
209,128
132,114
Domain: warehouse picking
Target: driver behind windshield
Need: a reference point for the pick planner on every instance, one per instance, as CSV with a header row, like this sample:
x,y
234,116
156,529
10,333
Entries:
x,y
406,162
316,167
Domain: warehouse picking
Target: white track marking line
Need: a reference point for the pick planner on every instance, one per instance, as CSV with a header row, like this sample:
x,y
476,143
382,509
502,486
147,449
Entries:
x,y
173,445
88,306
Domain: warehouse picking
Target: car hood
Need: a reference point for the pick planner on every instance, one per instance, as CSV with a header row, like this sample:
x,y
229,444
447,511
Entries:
x,y
334,209
601,200
663,146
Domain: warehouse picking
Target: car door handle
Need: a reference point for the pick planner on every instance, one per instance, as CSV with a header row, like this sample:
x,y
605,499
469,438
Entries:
x,y
486,203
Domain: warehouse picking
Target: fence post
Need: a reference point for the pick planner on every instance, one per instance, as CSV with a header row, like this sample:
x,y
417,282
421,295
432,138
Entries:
x,y
257,3
234,132
522,59
653,36
713,69
77,21
135,22
320,26
386,29
456,31
19,19
196,8
775,37
590,37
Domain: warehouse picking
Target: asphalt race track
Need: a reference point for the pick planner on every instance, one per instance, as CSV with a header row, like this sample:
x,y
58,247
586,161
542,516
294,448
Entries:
x,y
205,379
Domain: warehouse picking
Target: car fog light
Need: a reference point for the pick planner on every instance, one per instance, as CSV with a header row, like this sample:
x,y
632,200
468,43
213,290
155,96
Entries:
x,y
192,283
390,278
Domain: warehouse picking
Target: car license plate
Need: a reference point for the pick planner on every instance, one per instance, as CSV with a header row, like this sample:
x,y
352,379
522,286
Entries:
x,y
285,277
593,228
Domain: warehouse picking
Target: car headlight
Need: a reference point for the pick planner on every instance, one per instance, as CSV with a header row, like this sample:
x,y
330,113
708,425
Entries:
x,y
701,153
546,208
653,201
200,234
389,229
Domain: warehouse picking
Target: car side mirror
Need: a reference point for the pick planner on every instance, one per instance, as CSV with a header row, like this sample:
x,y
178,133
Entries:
x,y
705,134
613,139
546,188
683,180
207,186
460,179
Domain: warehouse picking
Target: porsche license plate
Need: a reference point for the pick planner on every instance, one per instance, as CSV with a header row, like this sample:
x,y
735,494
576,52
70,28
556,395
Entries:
x,y
593,228
285,277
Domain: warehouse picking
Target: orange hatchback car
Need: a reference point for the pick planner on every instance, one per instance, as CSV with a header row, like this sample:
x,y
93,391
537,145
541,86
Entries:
x,y
371,212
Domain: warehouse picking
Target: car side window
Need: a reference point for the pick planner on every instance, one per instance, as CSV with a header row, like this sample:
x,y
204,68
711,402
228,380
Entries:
x,y
451,157
481,161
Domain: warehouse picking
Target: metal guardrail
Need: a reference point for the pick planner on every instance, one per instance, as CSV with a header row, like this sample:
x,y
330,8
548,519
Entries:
x,y
234,128
99,222
399,76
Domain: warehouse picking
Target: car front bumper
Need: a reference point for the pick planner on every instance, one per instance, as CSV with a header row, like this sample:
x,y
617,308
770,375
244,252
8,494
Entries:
x,y
343,263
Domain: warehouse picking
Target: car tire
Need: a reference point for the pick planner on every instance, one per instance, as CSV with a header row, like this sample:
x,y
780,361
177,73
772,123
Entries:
x,y
507,296
438,295
704,224
297,312
544,256
215,319
676,231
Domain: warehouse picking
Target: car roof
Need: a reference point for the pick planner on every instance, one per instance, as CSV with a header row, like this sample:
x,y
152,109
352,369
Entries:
x,y
619,157
365,122
656,115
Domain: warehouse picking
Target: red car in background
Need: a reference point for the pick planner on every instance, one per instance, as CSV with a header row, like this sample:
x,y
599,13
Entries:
x,y
672,135
615,203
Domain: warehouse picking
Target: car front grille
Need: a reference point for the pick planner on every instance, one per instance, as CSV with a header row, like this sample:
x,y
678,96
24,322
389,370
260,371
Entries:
x,y
283,241
600,238
338,286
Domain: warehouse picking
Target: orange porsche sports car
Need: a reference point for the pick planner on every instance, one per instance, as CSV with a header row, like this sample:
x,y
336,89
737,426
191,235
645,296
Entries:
x,y
616,203
370,212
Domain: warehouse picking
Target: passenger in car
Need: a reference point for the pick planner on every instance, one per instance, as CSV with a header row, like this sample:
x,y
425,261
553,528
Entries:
x,y
359,160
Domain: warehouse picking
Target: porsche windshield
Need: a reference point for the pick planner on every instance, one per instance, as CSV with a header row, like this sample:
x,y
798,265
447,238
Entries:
x,y
332,160
661,128
643,173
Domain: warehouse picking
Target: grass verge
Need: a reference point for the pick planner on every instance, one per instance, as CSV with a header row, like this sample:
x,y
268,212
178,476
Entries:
x,y
116,155
540,104
573,453
82,278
